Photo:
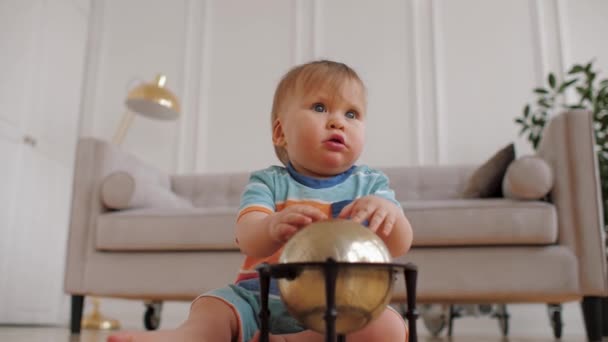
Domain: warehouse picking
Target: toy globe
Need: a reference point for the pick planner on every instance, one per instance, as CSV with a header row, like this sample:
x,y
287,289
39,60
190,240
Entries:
x,y
362,291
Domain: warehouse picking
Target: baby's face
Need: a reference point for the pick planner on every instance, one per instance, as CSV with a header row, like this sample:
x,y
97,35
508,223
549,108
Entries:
x,y
323,132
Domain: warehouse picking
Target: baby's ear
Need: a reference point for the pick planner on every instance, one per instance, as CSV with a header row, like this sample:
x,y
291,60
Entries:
x,y
278,137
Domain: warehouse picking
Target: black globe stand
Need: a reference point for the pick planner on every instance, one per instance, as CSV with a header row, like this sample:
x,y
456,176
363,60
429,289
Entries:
x,y
330,268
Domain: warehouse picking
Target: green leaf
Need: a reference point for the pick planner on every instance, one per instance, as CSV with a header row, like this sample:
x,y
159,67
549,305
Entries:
x,y
519,121
541,91
576,106
544,103
565,85
581,90
551,80
576,69
526,111
523,130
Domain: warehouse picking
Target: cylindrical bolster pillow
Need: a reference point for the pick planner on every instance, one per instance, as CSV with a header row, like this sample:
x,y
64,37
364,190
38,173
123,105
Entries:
x,y
121,190
117,190
528,178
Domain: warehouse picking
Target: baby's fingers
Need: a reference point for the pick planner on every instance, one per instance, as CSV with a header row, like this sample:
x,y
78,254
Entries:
x,y
297,219
361,214
389,224
347,210
377,219
284,232
315,214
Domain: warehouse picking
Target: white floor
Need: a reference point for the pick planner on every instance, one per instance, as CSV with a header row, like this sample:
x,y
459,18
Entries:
x,y
527,323
526,319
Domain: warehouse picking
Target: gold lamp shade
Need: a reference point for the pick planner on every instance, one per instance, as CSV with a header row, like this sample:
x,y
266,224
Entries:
x,y
154,100
362,292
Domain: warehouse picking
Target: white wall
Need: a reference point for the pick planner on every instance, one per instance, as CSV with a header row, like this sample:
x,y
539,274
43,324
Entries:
x,y
445,78
42,48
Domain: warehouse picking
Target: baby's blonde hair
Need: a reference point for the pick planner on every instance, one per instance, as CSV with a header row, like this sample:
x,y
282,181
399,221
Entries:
x,y
304,79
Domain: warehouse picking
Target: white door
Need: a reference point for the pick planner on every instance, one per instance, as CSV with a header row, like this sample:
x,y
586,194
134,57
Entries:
x,y
42,44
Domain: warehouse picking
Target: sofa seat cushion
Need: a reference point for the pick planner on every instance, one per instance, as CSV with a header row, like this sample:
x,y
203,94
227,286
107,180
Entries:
x,y
176,229
471,222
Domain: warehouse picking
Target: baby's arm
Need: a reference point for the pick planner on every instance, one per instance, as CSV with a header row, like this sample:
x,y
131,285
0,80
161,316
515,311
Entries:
x,y
261,234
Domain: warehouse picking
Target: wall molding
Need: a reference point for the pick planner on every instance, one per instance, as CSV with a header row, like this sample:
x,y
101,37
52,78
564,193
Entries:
x,y
563,23
417,106
94,46
548,38
317,29
438,86
186,143
423,68
199,154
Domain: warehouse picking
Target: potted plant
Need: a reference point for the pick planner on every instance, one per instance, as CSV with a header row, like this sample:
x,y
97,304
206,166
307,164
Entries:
x,y
591,94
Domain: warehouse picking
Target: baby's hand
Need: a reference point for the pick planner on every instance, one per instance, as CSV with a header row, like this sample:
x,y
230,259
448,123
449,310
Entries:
x,y
285,223
379,212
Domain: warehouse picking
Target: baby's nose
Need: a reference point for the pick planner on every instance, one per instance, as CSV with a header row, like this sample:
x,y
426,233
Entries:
x,y
335,123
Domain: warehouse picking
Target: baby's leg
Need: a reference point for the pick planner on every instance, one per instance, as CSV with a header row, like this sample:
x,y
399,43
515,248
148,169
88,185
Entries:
x,y
210,320
389,327
304,336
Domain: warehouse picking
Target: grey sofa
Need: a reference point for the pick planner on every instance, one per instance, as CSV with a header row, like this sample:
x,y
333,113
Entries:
x,y
467,250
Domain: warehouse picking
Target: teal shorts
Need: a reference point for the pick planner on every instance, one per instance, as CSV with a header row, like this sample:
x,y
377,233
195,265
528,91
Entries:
x,y
244,298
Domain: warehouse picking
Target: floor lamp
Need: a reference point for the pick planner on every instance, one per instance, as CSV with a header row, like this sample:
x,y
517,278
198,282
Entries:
x,y
151,100
154,101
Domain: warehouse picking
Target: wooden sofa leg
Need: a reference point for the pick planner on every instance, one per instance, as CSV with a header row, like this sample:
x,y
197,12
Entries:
x,y
592,314
77,307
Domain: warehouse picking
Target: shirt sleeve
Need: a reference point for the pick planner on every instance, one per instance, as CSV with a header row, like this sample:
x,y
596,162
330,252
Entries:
x,y
258,194
382,189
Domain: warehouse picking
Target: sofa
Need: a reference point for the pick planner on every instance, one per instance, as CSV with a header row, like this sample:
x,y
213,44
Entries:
x,y
139,233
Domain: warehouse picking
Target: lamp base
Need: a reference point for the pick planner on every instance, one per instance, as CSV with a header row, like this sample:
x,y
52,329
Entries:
x,y
96,321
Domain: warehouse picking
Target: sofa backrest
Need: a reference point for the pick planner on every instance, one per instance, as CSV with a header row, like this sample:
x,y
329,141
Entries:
x,y
413,183
409,183
211,189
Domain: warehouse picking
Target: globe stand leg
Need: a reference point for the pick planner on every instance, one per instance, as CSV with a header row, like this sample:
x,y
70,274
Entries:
x,y
331,273
264,314
410,273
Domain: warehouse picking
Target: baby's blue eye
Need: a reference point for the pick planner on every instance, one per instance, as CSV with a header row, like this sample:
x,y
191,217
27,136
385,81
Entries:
x,y
351,115
318,107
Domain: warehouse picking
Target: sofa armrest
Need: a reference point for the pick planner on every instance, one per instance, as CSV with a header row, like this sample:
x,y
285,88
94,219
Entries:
x,y
568,144
95,159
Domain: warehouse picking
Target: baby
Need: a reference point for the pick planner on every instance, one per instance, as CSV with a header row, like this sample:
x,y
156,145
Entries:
x,y
318,132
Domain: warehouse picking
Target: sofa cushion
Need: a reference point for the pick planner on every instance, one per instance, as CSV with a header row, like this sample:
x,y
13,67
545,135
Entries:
x,y
179,229
528,178
435,223
481,222
486,181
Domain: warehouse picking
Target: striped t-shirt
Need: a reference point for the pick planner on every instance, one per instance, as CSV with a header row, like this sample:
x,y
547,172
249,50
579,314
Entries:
x,y
275,188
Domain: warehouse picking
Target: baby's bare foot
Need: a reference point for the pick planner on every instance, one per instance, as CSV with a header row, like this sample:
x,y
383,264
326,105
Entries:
x,y
151,336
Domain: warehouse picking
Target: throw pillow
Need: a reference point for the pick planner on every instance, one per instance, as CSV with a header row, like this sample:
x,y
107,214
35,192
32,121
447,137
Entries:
x,y
528,178
486,181
121,190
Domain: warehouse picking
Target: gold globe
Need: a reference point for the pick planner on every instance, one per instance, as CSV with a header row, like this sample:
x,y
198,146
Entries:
x,y
362,292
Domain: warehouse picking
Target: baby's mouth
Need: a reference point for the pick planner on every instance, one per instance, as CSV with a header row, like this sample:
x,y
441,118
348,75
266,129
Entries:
x,y
335,143
336,138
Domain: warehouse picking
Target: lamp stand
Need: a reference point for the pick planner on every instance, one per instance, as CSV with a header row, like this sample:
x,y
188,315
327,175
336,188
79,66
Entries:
x,y
123,127
96,320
